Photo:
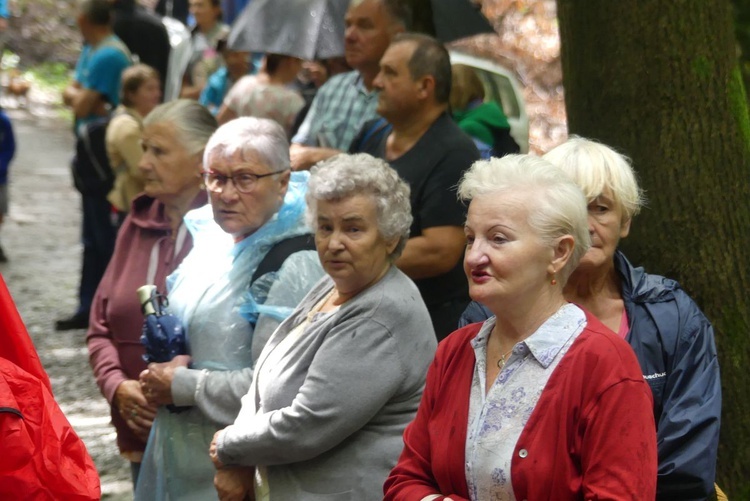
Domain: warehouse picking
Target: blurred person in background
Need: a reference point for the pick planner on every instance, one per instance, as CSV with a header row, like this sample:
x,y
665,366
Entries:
x,y
236,64
7,152
485,122
141,93
348,100
267,94
205,35
93,92
144,34
152,242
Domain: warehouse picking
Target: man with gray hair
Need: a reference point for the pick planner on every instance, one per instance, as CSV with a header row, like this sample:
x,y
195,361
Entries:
x,y
348,100
430,152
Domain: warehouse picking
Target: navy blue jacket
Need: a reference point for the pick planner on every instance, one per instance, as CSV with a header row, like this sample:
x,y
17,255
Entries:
x,y
674,343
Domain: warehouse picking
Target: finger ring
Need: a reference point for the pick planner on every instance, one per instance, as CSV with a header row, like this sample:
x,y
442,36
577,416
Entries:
x,y
133,413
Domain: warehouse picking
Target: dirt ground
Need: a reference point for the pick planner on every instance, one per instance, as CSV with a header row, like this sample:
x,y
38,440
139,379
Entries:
x,y
41,237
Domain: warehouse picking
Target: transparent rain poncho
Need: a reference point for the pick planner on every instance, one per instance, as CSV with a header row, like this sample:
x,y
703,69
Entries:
x,y
222,313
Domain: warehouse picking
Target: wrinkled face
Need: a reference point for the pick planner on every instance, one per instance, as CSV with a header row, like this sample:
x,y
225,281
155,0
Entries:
x,y
204,12
169,171
606,227
398,91
368,33
147,96
241,214
350,246
506,262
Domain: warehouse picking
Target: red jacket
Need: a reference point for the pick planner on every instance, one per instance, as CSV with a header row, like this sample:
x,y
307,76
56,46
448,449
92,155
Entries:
x,y
591,436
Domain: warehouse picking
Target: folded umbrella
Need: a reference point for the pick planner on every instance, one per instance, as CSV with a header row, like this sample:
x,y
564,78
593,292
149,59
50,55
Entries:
x,y
163,335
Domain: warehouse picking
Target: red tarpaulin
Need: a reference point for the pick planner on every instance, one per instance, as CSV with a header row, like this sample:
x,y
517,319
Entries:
x,y
42,458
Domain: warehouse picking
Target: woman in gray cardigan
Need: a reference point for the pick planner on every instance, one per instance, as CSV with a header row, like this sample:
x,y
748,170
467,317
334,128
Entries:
x,y
341,378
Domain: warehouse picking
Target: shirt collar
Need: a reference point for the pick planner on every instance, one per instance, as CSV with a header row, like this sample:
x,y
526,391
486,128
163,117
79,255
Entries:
x,y
359,83
549,338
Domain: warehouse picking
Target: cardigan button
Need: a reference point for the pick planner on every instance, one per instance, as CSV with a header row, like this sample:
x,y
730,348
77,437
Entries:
x,y
523,453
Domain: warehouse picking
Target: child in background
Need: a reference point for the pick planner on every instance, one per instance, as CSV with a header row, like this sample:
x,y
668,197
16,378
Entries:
x,y
7,150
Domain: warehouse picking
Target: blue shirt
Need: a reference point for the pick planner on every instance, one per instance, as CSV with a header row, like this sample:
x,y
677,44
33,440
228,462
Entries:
x,y
7,146
338,112
100,69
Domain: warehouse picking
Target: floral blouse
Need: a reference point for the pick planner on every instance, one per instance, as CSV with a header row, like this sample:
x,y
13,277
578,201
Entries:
x,y
497,419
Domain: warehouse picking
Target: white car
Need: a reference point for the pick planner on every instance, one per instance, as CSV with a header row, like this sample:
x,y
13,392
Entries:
x,y
500,85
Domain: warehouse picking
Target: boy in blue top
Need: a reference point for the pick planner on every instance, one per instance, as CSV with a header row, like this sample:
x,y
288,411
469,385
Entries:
x,y
7,150
93,93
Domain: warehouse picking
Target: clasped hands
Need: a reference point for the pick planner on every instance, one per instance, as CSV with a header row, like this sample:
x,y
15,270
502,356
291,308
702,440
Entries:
x,y
232,483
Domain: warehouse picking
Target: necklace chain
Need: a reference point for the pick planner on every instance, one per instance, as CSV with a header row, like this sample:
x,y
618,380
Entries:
x,y
501,361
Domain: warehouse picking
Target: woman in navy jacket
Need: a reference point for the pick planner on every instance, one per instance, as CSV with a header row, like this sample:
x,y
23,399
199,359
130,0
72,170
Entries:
x,y
672,339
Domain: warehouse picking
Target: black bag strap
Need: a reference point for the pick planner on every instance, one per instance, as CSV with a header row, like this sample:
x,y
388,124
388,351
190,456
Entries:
x,y
276,256
374,133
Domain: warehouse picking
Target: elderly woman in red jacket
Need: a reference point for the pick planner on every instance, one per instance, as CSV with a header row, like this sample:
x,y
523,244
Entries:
x,y
540,401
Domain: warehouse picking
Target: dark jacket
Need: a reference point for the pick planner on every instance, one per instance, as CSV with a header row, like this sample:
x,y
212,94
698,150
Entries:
x,y
674,344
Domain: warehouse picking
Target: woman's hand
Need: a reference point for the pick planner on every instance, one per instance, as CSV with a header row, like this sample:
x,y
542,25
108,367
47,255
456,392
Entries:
x,y
235,483
213,452
134,408
156,381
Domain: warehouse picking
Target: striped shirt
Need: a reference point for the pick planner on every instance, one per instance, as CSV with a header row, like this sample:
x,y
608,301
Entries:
x,y
338,112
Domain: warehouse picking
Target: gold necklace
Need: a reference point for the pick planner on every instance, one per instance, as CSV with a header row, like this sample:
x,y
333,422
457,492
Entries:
x,y
501,361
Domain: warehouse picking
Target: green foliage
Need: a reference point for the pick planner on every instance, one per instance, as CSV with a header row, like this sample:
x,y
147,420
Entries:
x,y
742,31
739,106
50,76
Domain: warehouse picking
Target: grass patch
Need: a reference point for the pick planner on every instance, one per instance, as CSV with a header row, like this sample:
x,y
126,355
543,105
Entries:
x,y
47,76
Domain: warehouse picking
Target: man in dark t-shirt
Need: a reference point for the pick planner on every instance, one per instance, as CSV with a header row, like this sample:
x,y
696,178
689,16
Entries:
x,y
430,152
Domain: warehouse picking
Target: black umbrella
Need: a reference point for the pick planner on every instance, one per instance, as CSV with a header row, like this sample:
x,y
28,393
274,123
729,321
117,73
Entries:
x,y
307,29
315,28
454,19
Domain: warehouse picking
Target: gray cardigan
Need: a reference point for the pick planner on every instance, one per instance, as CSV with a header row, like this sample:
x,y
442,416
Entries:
x,y
329,423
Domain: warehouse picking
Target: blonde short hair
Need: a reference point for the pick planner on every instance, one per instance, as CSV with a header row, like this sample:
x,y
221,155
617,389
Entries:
x,y
558,210
596,167
466,86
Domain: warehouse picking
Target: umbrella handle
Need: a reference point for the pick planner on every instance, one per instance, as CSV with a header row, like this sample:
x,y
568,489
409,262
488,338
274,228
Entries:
x,y
147,297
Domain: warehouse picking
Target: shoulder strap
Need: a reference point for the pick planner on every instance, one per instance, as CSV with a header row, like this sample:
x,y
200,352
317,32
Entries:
x,y
85,137
276,256
374,133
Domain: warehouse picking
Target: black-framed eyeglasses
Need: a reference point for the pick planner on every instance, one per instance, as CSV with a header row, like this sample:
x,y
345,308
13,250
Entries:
x,y
244,182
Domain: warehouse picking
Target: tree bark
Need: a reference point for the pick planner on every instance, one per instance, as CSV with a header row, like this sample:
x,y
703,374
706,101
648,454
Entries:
x,y
660,82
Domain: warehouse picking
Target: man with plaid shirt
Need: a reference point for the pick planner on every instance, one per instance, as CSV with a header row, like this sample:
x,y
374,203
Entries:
x,y
348,100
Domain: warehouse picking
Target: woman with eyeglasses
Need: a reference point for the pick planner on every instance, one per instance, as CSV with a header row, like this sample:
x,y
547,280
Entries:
x,y
251,263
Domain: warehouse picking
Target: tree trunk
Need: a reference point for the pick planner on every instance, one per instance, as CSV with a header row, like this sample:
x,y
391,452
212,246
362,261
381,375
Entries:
x,y
660,82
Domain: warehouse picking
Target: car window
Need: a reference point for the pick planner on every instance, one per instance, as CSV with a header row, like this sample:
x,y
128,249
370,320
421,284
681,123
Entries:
x,y
498,88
